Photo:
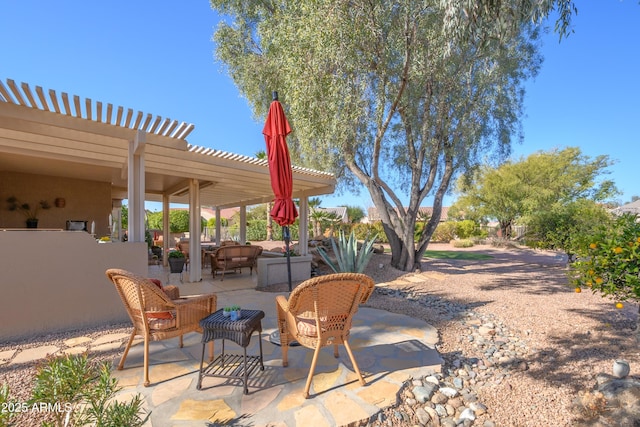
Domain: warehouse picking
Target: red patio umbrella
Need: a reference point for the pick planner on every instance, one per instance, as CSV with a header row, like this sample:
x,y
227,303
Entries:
x,y
275,132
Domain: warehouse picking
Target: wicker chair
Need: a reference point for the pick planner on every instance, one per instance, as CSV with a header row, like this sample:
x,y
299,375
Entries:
x,y
318,313
155,315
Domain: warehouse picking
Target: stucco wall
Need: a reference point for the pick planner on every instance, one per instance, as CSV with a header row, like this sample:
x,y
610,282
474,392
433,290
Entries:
x,y
84,200
55,280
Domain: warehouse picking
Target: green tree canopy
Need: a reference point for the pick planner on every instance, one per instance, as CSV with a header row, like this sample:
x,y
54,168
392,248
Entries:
x,y
531,188
378,94
178,220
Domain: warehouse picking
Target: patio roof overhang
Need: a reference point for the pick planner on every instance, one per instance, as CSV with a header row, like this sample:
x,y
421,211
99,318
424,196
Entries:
x,y
60,135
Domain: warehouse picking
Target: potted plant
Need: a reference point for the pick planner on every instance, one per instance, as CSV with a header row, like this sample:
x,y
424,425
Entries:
x,y
226,311
176,261
29,211
235,312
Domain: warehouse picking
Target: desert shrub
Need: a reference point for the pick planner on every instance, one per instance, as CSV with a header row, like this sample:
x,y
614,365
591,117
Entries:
x,y
378,230
257,230
361,230
467,228
462,243
5,402
501,242
445,232
83,391
610,263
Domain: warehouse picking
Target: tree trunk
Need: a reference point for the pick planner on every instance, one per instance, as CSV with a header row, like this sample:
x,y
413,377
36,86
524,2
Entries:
x,y
505,229
402,257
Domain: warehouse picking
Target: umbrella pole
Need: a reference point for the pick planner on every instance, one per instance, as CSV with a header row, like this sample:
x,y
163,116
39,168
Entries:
x,y
287,239
275,335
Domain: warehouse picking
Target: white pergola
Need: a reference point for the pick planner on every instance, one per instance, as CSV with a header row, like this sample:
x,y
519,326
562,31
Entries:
x,y
144,158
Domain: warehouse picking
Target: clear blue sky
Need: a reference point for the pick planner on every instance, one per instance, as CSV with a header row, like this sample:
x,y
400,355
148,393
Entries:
x,y
158,57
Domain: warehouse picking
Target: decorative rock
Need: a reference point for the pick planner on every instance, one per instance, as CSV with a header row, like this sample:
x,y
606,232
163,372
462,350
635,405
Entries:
x,y
450,409
478,408
468,414
433,380
439,398
458,382
424,393
441,411
621,368
423,416
449,391
448,422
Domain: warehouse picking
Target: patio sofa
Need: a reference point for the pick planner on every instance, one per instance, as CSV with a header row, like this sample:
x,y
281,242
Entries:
x,y
235,257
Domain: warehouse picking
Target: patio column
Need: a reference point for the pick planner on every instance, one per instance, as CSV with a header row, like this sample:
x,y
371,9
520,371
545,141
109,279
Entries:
x,y
243,225
195,229
218,226
303,228
166,229
136,188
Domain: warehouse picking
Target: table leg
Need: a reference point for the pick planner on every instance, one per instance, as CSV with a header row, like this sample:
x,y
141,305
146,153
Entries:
x,y
201,365
246,374
261,359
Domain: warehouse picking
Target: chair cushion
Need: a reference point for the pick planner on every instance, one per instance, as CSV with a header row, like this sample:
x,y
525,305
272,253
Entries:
x,y
239,258
307,327
157,282
160,324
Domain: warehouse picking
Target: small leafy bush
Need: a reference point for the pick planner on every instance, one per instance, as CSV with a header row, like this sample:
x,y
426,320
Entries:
x,y
467,228
501,242
85,392
5,401
445,232
610,264
462,243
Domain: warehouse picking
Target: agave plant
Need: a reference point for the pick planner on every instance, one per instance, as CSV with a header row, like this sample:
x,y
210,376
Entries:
x,y
348,257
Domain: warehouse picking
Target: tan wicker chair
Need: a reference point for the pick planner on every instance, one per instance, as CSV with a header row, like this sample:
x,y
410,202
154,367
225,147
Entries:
x,y
155,316
319,312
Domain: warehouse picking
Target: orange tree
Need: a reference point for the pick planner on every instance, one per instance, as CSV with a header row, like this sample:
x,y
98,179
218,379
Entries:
x,y
610,264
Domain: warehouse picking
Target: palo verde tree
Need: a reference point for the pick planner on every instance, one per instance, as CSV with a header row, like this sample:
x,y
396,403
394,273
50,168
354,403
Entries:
x,y
378,94
536,188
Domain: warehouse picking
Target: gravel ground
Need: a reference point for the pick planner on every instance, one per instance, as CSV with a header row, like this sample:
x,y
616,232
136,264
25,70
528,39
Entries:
x,y
571,337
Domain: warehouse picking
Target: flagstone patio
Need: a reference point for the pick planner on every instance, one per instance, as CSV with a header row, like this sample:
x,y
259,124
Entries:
x,y
389,348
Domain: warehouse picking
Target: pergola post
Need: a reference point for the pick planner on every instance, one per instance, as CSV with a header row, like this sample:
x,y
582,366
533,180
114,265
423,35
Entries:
x,y
195,229
243,225
303,228
166,229
218,226
136,188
